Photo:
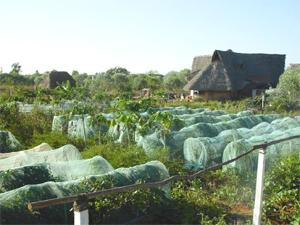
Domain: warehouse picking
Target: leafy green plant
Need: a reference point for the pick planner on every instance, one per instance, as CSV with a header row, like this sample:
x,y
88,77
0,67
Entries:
x,y
163,121
98,120
281,192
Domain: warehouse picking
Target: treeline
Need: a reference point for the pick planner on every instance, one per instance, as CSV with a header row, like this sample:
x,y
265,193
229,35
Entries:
x,y
115,80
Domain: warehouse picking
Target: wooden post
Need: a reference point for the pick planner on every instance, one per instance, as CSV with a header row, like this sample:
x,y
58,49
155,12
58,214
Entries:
x,y
81,212
263,99
259,187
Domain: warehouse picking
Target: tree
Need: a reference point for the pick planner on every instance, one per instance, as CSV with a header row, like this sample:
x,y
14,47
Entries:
x,y
38,78
116,69
175,81
16,68
121,82
155,82
140,82
289,84
75,72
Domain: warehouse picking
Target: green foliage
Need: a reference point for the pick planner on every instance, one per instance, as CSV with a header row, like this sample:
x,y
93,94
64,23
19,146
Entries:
x,y
175,81
19,177
289,84
121,208
16,79
118,155
134,105
98,120
162,122
281,192
130,121
113,71
24,126
16,69
125,95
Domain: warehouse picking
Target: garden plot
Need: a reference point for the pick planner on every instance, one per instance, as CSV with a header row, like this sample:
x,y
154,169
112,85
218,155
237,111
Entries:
x,y
273,153
55,171
175,140
204,151
12,202
76,124
119,132
65,153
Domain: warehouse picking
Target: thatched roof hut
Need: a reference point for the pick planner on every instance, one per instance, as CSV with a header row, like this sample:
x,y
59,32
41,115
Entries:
x,y
57,77
199,63
231,71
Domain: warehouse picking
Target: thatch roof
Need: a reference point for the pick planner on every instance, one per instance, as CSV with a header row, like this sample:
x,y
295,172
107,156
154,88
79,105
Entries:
x,y
199,63
295,66
57,77
233,71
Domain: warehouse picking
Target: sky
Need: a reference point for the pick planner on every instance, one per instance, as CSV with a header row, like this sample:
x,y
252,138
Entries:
x,y
141,35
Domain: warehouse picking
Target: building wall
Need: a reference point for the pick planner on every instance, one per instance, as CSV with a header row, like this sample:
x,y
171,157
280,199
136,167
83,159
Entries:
x,y
226,95
214,95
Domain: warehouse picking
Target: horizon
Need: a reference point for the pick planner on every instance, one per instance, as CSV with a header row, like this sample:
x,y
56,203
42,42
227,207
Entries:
x,y
163,35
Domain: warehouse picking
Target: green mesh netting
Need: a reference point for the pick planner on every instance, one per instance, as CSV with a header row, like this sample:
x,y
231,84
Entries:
x,y
191,119
8,142
273,153
14,202
39,148
211,117
65,153
59,171
176,139
59,123
203,152
74,125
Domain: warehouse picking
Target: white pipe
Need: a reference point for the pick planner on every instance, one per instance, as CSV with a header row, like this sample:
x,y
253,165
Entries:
x,y
81,218
259,187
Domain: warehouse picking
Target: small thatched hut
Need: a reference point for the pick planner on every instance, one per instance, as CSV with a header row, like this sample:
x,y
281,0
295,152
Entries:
x,y
232,75
55,78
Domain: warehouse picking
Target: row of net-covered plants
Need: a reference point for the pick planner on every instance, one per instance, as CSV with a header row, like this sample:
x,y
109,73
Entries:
x,y
214,198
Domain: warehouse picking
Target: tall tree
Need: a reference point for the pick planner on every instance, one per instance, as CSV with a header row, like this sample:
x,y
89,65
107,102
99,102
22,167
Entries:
x,y
16,68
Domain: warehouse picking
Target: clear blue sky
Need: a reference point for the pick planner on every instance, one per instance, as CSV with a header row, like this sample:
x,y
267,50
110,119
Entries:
x,y
141,35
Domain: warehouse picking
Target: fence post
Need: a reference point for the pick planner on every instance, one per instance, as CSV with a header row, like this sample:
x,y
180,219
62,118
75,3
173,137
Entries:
x,y
81,212
259,187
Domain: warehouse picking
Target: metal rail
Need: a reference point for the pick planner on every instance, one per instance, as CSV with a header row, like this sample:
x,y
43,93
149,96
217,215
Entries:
x,y
70,199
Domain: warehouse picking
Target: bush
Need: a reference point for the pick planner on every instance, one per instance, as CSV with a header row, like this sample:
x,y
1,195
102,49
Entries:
x,y
118,155
281,192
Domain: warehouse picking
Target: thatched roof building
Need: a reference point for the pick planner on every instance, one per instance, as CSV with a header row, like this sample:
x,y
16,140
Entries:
x,y
238,73
199,63
57,77
295,66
